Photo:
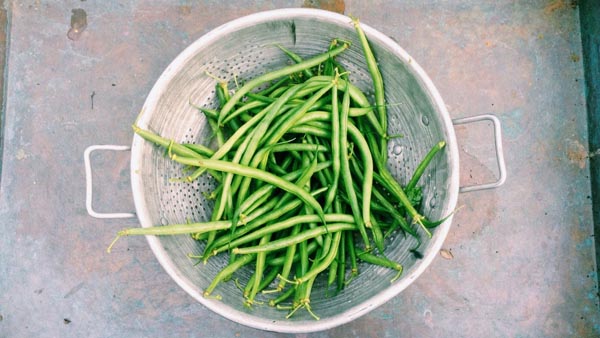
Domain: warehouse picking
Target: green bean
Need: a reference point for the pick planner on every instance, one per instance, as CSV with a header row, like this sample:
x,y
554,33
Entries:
x,y
345,171
243,109
283,297
316,124
317,115
222,93
225,147
324,263
394,187
352,254
265,191
228,271
284,242
173,229
261,98
209,113
268,279
377,85
278,261
305,161
200,149
354,111
332,273
290,121
341,280
226,192
296,58
424,163
394,213
276,168
257,134
262,175
309,130
279,226
275,75
259,270
377,234
367,185
275,86
335,148
217,132
289,259
381,261
259,217
299,147
174,147
302,180
358,97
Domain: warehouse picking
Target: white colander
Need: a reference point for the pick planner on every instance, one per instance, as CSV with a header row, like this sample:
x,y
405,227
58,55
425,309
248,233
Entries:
x,y
240,50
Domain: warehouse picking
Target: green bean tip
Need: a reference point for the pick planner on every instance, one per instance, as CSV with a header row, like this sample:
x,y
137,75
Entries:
x,y
119,235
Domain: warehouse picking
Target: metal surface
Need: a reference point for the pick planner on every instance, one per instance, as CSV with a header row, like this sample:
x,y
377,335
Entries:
x,y
590,40
499,150
89,191
522,256
238,51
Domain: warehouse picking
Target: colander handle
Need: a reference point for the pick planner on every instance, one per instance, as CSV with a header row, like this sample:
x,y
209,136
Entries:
x,y
88,181
499,151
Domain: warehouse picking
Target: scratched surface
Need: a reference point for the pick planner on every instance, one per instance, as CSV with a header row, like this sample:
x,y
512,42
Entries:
x,y
518,262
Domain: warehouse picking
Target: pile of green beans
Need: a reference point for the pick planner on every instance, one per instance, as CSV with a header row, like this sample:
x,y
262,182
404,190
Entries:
x,y
303,187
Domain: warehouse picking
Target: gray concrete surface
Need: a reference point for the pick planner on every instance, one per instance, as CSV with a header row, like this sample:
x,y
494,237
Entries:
x,y
523,255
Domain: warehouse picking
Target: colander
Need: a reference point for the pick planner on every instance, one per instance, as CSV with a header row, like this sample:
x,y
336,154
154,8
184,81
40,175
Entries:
x,y
240,50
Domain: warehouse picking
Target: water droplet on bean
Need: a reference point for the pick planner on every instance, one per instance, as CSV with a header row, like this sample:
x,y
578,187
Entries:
x,y
425,120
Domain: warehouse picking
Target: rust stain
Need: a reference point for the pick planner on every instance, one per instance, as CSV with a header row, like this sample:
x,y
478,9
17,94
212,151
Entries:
x,y
575,57
185,10
554,6
577,153
559,5
329,5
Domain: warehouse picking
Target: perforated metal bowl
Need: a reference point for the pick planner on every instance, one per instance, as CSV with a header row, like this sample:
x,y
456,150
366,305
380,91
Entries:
x,y
244,48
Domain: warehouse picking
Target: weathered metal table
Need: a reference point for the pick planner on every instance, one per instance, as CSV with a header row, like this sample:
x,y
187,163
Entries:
x,y
523,255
